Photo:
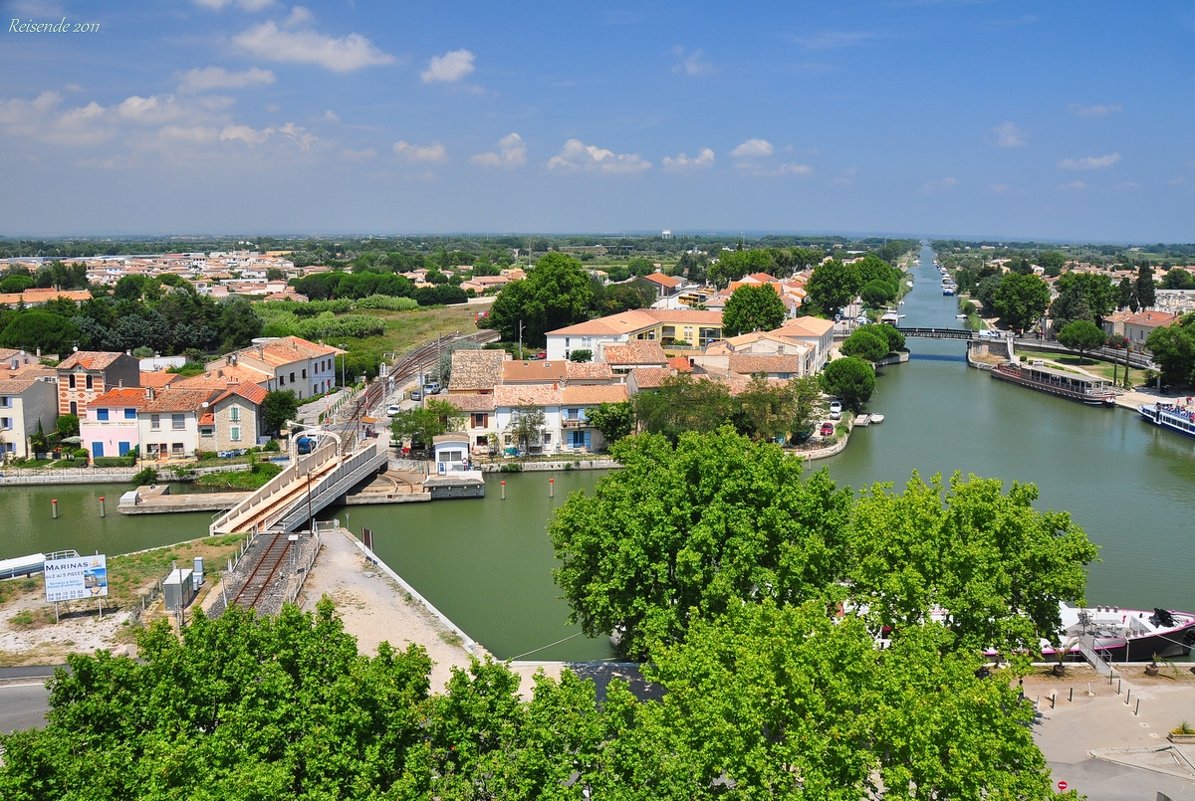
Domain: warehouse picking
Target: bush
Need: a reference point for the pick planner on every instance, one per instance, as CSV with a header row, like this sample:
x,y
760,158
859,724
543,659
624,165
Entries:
x,y
115,461
148,475
79,453
510,467
272,446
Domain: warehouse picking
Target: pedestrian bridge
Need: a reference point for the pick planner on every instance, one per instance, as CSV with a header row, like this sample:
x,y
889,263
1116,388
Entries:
x,y
311,483
937,333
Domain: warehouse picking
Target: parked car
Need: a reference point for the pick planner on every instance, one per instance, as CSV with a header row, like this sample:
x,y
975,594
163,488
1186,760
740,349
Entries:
x,y
827,429
835,410
416,395
393,409
431,388
543,354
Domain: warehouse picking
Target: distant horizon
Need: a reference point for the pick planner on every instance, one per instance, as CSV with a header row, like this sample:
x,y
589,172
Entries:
x,y
1023,120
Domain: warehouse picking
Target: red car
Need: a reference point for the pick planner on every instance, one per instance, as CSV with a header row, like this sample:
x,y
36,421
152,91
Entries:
x,y
827,429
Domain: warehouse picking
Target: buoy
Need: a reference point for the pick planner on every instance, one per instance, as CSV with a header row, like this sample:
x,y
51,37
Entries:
x,y
551,488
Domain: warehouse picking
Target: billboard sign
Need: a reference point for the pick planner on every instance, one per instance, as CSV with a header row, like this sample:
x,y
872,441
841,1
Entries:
x,y
76,578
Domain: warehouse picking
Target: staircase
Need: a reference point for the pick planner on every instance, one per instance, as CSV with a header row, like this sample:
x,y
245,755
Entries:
x,y
313,482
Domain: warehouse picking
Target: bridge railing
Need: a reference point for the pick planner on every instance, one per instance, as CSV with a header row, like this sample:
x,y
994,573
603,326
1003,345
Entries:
x,y
320,456
331,486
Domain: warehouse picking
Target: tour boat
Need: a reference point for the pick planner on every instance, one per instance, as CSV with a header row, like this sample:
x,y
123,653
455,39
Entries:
x,y
1168,415
1086,389
1125,635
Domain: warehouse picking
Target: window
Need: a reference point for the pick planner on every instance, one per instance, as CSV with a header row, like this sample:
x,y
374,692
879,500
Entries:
x,y
234,433
547,437
234,414
130,414
89,381
72,383
178,421
176,449
6,423
74,407
292,377
5,402
281,380
304,372
207,431
479,420
155,422
101,414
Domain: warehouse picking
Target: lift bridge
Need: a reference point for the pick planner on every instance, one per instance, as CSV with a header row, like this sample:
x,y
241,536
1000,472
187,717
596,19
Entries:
x,y
937,333
312,482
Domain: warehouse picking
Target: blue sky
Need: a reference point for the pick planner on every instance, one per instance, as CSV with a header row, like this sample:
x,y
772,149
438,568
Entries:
x,y
1050,120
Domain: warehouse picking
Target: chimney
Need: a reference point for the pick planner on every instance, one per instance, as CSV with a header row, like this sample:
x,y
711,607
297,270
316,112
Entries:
x,y
120,384
149,393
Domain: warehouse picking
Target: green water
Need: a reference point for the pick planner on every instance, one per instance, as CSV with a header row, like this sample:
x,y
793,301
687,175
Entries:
x,y
487,563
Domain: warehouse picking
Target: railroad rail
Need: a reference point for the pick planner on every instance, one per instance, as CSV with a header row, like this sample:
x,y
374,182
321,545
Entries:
x,y
264,572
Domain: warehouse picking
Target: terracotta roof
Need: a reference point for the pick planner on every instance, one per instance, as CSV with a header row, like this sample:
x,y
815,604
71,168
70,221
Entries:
x,y
89,360
286,350
219,377
669,281
176,400
123,397
254,393
471,402
158,378
14,383
750,364
475,369
808,326
526,395
638,352
651,377
594,393
1155,319
588,371
540,371
637,319
680,364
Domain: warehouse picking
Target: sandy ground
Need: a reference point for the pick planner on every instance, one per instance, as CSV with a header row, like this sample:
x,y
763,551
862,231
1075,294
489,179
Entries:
x,y
79,631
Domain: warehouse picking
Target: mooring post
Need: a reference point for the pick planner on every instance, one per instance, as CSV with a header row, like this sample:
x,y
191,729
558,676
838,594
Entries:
x,y
54,507
1118,686
551,488
503,489
102,510
1071,696
1137,708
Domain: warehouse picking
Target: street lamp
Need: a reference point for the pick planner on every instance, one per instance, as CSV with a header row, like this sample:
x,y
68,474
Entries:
x,y
342,347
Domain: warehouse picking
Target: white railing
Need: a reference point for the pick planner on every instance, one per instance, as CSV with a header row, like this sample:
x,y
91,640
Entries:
x,y
270,491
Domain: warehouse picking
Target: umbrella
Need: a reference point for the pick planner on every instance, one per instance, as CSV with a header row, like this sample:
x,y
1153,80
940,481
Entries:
x,y
72,440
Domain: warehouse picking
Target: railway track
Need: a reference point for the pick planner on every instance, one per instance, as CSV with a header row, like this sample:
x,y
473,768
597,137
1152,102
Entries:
x,y
261,578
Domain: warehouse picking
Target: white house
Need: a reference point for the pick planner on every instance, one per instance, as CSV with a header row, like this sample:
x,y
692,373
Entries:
x,y
168,422
511,400
28,396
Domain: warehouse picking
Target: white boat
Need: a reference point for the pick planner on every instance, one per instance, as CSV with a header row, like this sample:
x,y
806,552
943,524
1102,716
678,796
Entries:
x,y
1126,635
877,418
1174,417
909,283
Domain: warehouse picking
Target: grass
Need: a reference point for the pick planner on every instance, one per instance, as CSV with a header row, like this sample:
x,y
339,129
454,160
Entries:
x,y
1088,364
409,329
131,574
250,479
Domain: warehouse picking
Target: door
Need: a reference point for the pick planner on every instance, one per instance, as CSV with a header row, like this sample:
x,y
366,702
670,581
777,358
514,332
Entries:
x,y
97,449
123,448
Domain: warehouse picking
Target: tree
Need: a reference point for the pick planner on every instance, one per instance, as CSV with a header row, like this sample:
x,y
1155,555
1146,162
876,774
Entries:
x,y
421,424
1124,293
1081,335
752,308
877,293
67,426
851,379
581,355
33,328
614,420
1173,348
683,403
895,339
526,427
1177,278
278,407
1146,292
555,293
239,324
1020,300
865,344
684,533
1052,262
1082,296
998,566
832,286
768,411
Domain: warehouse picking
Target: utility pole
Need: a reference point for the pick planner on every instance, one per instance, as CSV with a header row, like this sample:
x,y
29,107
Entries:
x,y
520,337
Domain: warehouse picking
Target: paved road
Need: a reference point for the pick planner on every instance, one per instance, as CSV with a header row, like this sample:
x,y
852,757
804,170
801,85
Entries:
x,y
23,704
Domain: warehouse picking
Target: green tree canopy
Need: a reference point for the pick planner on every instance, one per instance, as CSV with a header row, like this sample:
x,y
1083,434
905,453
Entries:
x,y
33,329
1082,296
878,292
555,293
684,533
865,344
1081,335
752,308
683,403
850,378
1173,348
1020,300
614,420
420,424
832,286
1147,296
278,407
239,324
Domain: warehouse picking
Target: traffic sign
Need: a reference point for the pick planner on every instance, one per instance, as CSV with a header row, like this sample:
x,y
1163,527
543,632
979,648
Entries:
x,y
1062,786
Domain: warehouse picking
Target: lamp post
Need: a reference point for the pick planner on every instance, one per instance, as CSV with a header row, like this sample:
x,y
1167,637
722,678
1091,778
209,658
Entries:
x,y
342,347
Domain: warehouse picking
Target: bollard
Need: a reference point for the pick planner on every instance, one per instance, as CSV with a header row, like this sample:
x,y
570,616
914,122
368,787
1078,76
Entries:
x,y
1127,696
503,489
1118,686
1071,697
1137,708
102,510
1053,698
551,488
54,507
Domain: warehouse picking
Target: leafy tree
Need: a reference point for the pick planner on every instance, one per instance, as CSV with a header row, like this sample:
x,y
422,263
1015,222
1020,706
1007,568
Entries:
x,y
15,284
1173,348
614,420
421,423
1146,291
683,403
752,308
640,266
239,324
1082,296
1020,300
733,265
554,294
851,379
894,338
67,425
278,407
832,286
1081,335
1052,262
768,411
684,533
877,293
999,566
34,328
526,426
865,344
1124,293
1177,278
580,355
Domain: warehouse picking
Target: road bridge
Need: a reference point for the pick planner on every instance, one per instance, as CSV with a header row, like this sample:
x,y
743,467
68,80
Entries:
x,y
937,333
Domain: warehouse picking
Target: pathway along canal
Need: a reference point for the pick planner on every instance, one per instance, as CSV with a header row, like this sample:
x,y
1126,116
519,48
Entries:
x,y
487,563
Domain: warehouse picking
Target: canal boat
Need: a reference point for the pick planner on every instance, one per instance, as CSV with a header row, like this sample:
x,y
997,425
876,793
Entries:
x,y
1087,389
1124,635
1167,415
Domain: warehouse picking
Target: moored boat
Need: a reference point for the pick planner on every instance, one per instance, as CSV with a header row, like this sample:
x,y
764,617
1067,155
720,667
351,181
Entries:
x,y
1090,390
877,418
1125,635
1168,415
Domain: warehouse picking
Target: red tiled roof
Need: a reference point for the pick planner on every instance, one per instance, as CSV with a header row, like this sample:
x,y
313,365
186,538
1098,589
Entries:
x,y
594,393
158,378
639,351
89,360
123,397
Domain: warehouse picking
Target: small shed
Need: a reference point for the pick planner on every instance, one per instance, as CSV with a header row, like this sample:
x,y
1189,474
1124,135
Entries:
x,y
450,452
178,589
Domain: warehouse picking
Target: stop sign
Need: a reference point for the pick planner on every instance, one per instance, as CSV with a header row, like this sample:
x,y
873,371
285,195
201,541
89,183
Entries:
x,y
1062,786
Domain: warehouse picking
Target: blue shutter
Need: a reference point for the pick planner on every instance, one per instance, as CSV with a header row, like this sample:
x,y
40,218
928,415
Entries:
x,y
123,447
588,440
101,414
97,449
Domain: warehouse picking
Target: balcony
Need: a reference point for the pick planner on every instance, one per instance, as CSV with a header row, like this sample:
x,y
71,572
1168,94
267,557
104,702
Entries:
x,y
575,422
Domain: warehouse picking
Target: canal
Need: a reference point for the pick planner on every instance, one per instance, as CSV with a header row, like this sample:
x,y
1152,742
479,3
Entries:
x,y
487,563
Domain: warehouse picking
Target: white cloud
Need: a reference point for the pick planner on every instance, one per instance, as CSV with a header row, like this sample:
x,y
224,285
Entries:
x,y
753,148
450,67
343,54
941,185
834,40
152,109
256,136
846,177
298,16
196,134
1095,110
576,155
245,5
348,154
1177,181
1089,162
1073,186
1000,189
791,168
1009,135
330,116
511,152
683,163
788,168
244,133
690,63
420,153
201,79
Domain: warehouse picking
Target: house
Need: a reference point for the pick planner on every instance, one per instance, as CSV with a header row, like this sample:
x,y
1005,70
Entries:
x,y
665,285
485,283
1139,326
480,420
291,363
168,421
109,426
576,432
534,371
85,375
672,328
222,374
771,352
476,371
782,367
638,353
233,419
815,331
28,398
510,401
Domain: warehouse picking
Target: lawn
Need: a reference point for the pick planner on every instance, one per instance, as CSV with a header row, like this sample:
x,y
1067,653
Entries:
x,y
410,329
1088,364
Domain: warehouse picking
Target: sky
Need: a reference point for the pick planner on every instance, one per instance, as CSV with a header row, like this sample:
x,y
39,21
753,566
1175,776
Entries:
x,y
1052,120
